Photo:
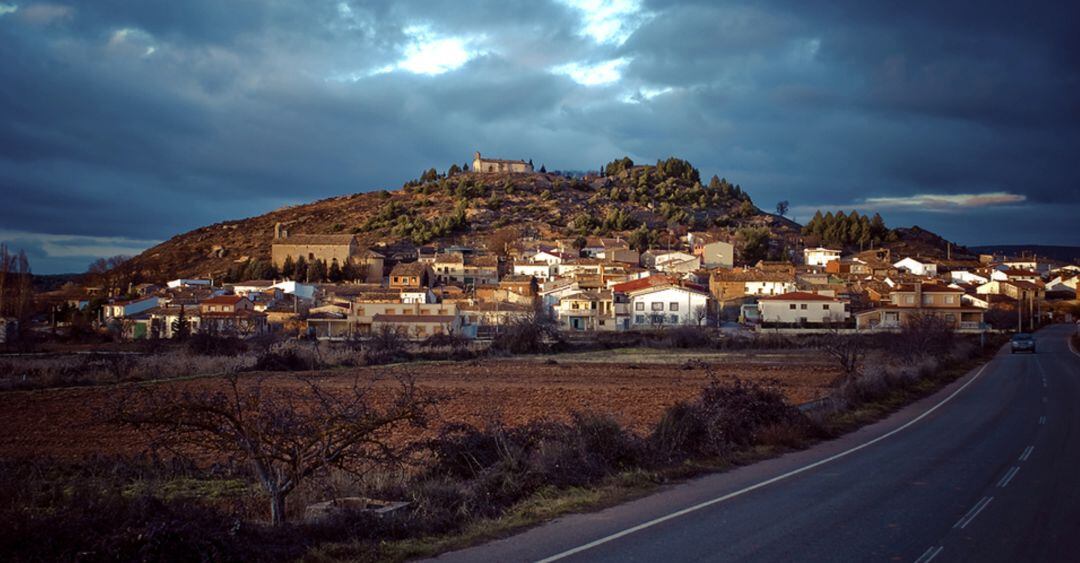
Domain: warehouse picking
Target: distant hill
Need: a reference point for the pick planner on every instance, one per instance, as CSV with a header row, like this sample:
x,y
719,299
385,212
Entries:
x,y
1062,253
662,200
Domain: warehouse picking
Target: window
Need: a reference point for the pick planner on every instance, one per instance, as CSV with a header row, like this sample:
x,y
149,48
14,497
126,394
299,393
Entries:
x,y
639,319
658,306
825,307
802,306
949,299
639,306
673,306
674,319
909,299
792,306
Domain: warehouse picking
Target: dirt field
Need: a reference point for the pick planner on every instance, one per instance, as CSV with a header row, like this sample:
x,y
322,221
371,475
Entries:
x,y
634,385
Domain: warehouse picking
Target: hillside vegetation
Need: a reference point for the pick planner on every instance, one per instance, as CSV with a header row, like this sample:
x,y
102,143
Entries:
x,y
643,202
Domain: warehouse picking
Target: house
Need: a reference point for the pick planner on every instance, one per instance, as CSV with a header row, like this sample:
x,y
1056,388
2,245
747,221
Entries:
x,y
164,321
712,252
542,271
552,257
188,282
1015,274
801,308
820,256
598,247
727,285
676,262
587,310
419,327
911,300
486,165
231,314
658,301
457,268
964,276
1063,282
412,275
297,289
487,317
130,308
917,267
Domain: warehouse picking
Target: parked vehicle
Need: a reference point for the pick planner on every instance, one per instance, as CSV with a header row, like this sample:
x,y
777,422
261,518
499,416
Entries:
x,y
1023,342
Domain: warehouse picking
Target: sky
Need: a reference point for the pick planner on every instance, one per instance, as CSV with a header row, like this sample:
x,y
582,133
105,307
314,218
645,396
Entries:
x,y
125,123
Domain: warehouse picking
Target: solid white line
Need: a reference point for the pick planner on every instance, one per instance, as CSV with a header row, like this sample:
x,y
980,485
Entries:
x,y
1042,419
765,483
1008,477
1027,453
929,554
975,510
1068,341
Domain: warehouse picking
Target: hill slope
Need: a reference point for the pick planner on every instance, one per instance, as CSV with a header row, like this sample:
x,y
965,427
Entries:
x,y
467,207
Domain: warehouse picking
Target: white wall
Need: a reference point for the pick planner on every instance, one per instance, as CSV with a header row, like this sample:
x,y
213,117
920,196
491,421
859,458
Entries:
x,y
773,311
677,305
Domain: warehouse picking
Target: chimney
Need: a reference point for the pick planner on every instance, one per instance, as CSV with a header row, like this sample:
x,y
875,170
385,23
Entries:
x,y
277,231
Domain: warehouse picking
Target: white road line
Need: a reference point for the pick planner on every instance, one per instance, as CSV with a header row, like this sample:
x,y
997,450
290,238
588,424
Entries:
x,y
1068,340
1027,452
1042,419
765,483
1004,482
929,554
971,514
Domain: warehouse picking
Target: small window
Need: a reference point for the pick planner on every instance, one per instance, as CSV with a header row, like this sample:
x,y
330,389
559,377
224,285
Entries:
x,y
825,307
909,299
639,306
802,306
658,306
639,319
950,299
673,306
792,306
674,319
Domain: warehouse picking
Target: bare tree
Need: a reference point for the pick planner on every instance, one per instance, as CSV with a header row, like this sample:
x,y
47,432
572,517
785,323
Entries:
x,y
700,313
286,433
5,267
848,350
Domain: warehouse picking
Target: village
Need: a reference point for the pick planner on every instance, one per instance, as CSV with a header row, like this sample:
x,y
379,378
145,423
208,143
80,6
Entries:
x,y
331,287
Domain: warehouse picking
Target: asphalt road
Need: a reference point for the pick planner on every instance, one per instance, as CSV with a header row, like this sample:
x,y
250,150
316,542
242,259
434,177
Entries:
x,y
987,469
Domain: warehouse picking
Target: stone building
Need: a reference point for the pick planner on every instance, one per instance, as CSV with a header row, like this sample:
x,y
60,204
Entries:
x,y
481,164
328,248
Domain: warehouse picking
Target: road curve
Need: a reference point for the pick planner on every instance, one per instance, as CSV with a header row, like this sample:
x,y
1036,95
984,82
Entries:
x,y
987,469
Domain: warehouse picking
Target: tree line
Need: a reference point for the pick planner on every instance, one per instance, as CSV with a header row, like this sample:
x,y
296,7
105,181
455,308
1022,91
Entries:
x,y
849,229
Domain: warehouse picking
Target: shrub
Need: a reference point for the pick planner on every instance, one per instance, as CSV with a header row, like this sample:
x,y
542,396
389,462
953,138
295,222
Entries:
x,y
527,334
687,337
204,344
724,417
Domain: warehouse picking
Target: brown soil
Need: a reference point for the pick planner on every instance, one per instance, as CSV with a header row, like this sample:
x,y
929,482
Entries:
x,y
66,423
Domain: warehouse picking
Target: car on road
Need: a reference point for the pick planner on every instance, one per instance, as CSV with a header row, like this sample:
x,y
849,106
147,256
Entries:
x,y
1023,342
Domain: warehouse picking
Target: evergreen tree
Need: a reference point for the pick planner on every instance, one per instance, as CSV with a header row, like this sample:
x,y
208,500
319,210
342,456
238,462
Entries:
x,y
301,269
288,267
334,274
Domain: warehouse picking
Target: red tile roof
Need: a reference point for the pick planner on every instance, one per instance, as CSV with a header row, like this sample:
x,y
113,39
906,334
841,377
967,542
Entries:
x,y
642,283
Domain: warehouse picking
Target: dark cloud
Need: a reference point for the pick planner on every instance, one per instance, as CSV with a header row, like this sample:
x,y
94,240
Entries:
x,y
135,121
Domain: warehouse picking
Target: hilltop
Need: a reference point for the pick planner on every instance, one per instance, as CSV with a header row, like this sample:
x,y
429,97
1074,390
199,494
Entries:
x,y
656,202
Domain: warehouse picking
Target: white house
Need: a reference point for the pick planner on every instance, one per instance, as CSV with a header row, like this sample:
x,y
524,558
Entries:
x,y
421,295
184,282
301,290
768,285
124,309
917,267
802,308
819,256
1063,283
667,305
542,271
963,276
551,257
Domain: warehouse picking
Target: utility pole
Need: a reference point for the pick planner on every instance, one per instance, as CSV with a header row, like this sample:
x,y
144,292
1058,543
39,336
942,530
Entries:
x,y
1020,313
